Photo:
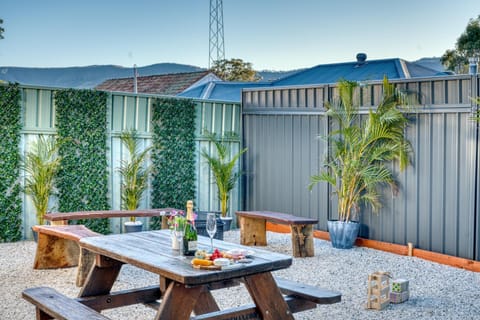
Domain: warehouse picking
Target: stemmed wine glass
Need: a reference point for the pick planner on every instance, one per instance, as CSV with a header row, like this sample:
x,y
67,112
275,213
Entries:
x,y
211,226
179,231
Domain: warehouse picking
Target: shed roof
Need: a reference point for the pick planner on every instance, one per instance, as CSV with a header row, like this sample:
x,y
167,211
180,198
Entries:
x,y
356,71
369,70
166,84
221,90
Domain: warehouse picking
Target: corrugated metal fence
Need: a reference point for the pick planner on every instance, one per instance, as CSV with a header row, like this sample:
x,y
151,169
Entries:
x,y
126,111
436,208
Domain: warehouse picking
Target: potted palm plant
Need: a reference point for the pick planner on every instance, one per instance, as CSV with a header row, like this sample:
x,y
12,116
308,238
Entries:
x,y
134,174
222,165
41,164
360,154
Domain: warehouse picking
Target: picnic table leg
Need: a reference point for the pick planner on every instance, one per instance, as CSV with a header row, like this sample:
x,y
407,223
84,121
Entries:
x,y
205,303
267,297
178,302
101,277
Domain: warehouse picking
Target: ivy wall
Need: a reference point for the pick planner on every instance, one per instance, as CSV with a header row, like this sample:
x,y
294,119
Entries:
x,y
10,201
90,123
81,118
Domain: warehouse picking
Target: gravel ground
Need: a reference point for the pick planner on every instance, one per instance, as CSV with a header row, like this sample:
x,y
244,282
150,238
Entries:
x,y
436,291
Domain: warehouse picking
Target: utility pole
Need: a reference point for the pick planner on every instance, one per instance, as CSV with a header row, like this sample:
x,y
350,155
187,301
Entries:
x,y
216,44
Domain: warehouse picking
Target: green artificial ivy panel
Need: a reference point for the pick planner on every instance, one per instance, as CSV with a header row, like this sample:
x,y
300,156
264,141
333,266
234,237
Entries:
x,y
173,158
10,189
81,117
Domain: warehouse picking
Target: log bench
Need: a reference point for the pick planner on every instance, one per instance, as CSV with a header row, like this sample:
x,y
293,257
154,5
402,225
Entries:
x,y
57,245
51,304
253,230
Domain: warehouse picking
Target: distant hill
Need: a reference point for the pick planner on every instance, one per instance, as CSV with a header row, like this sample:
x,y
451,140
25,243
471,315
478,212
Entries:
x,y
91,76
84,77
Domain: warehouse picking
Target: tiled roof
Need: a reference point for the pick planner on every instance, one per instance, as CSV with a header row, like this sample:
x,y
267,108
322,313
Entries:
x,y
165,84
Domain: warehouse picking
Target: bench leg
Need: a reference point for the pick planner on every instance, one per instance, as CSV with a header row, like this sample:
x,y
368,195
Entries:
x,y
54,252
302,240
85,262
40,315
253,232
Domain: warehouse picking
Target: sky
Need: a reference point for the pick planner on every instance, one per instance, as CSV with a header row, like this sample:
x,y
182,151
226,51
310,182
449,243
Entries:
x,y
270,34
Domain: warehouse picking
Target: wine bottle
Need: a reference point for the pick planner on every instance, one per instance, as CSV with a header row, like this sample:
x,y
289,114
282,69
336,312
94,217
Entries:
x,y
190,237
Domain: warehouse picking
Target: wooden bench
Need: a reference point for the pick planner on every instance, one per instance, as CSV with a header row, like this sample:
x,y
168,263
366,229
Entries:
x,y
298,296
253,230
62,218
57,245
50,304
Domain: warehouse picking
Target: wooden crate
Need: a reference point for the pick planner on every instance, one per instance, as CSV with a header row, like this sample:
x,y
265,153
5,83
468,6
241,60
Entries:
x,y
378,290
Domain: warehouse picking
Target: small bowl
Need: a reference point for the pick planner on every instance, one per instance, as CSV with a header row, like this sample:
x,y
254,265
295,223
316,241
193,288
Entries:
x,y
221,262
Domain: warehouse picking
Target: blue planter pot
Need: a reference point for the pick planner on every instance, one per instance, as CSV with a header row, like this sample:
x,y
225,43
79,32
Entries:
x,y
343,234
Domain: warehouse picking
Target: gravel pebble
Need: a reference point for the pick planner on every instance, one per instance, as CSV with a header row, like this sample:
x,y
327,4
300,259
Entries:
x,y
436,291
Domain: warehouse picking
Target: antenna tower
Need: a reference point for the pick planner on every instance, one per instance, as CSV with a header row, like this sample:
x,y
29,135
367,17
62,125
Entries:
x,y
216,44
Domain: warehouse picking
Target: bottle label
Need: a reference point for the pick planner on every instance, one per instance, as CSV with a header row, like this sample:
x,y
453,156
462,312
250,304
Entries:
x,y
192,245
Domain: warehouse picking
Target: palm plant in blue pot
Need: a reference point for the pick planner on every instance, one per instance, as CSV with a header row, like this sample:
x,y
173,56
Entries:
x,y
360,153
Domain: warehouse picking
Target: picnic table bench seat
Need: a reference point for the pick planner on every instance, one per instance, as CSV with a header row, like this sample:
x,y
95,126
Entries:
x,y
57,245
299,297
51,304
253,230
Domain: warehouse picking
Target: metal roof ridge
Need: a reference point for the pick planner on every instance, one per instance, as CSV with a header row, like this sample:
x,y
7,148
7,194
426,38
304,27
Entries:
x,y
404,68
207,91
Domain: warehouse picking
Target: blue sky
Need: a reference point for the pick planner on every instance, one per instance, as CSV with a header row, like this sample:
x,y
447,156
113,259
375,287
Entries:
x,y
271,34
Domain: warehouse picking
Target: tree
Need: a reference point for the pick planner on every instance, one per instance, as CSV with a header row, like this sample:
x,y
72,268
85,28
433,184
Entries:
x,y
1,29
234,70
467,46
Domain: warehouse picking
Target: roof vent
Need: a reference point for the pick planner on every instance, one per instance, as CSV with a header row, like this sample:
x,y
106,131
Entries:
x,y
361,58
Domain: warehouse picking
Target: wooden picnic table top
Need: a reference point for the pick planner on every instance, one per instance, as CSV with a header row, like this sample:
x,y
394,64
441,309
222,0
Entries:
x,y
152,251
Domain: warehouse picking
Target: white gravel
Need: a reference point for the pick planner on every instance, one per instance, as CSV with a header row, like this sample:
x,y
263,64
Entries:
x,y
436,291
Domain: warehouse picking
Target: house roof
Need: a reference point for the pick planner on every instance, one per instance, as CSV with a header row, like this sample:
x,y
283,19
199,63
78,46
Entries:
x,y
165,84
357,71
360,70
221,90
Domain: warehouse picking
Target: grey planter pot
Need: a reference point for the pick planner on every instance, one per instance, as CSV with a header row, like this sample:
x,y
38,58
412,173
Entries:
x,y
343,234
227,223
130,226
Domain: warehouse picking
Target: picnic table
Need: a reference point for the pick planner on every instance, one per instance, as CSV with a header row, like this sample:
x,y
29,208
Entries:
x,y
182,289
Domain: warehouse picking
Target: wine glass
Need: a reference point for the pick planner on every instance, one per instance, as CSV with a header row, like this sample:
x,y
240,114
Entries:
x,y
179,231
211,226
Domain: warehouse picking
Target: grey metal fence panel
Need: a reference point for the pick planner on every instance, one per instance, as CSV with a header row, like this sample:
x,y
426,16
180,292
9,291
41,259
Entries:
x,y
435,207
131,111
284,149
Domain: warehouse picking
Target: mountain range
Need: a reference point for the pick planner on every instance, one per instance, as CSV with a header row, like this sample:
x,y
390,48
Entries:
x,y
91,76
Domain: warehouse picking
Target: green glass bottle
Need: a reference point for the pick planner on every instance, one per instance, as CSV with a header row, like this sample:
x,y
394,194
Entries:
x,y
190,237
